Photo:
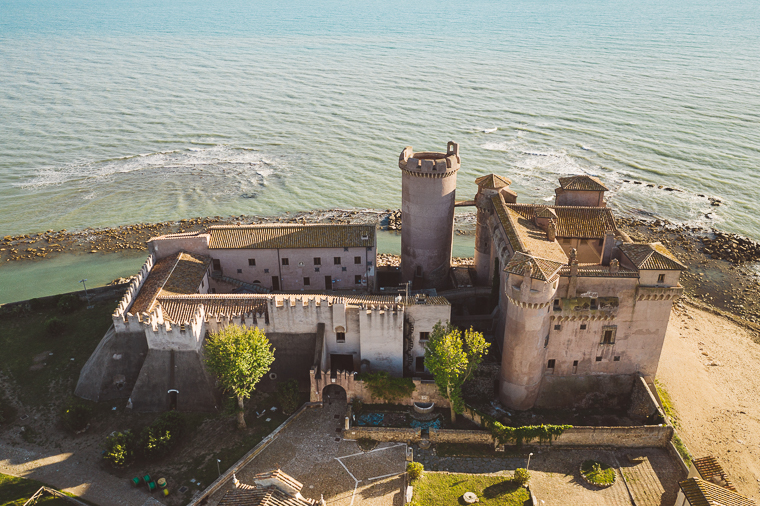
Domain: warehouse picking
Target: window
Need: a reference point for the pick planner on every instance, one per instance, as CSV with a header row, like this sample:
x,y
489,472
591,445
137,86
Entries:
x,y
598,359
252,262
358,260
558,327
424,336
240,271
343,269
345,249
358,279
306,282
340,337
202,284
316,269
336,261
317,261
617,358
217,264
285,261
608,335
557,307
575,363
419,364
546,341
550,365
583,326
594,304
661,278
266,271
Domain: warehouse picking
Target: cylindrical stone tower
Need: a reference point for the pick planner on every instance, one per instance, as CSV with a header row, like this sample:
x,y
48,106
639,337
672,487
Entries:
x,y
428,185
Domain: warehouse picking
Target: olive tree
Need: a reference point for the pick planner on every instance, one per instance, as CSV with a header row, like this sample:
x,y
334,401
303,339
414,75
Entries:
x,y
239,356
452,356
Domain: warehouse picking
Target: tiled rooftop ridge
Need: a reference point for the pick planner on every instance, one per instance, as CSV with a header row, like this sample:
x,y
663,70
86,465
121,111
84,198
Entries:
x,y
291,236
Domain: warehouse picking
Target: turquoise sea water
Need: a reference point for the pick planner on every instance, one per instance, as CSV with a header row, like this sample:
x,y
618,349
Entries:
x,y
122,112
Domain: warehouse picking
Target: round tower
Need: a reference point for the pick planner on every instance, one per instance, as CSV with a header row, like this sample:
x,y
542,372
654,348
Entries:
x,y
428,186
525,304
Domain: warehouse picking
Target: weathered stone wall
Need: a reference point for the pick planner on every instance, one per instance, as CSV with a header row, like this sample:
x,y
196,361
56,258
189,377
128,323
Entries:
x,y
647,436
384,434
643,405
586,391
460,436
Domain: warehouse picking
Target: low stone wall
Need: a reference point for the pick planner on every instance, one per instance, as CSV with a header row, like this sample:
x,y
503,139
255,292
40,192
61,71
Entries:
x,y
647,436
644,406
384,434
461,436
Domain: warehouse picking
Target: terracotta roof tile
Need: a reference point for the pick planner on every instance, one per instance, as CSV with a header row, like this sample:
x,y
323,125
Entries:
x,y
573,221
524,235
280,475
652,256
703,493
492,181
587,183
708,467
264,496
291,236
182,308
542,269
177,274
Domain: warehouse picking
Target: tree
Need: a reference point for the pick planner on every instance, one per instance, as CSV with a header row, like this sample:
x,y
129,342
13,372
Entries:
x,y
239,356
452,356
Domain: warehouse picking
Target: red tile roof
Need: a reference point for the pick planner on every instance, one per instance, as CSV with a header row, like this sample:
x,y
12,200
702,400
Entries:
x,y
583,183
652,256
291,236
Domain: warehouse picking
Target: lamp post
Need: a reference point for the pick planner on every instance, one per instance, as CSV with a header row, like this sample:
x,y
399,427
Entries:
x,y
219,470
528,466
87,295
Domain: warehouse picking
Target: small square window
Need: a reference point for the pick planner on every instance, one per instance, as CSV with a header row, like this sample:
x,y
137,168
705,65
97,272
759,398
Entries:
x,y
266,271
661,278
358,260
557,306
285,261
357,279
616,359
424,336
369,248
336,260
558,327
345,249
550,364
575,363
340,337
583,326
316,269
240,271
252,262
598,359
317,261
343,269
369,263
306,281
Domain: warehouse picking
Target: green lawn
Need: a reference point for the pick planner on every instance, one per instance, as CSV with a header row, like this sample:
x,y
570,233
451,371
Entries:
x,y
16,491
444,489
598,473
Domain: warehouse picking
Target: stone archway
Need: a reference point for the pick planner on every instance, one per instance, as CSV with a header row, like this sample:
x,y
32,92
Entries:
x,y
323,379
334,393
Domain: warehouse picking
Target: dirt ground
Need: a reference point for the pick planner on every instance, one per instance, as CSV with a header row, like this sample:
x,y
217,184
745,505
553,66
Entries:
x,y
710,366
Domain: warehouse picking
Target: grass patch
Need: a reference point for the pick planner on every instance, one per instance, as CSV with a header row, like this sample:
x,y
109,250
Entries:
x,y
24,337
681,449
598,473
16,491
670,411
443,489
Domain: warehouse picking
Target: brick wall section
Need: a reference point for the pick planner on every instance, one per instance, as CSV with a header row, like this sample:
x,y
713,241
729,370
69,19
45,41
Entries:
x,y
461,436
384,434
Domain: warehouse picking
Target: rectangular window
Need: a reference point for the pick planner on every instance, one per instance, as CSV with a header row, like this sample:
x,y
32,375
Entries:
x,y
316,269
594,305
575,363
266,271
306,282
252,262
357,260
424,336
358,279
202,284
608,335
419,364
343,269
240,271
317,261
557,307
661,278
550,365
598,359
345,249
616,359
285,261
340,337
336,261
583,326
546,341
558,327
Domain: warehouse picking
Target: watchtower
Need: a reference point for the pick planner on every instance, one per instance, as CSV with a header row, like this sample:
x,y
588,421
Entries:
x,y
428,184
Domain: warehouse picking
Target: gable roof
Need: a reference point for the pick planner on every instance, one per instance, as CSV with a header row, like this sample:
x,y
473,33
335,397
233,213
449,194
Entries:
x,y
573,221
262,496
651,256
524,235
180,273
583,183
703,493
291,236
708,467
492,181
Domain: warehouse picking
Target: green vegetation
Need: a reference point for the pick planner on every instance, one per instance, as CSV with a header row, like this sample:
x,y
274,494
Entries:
x,y
414,470
76,414
385,387
446,490
120,448
452,356
598,473
150,443
69,302
519,435
55,326
16,491
239,356
670,412
288,396
521,476
23,336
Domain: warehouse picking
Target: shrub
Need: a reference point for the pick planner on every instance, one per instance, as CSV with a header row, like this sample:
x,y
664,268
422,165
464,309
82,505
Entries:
x,y
383,386
287,393
598,473
68,302
55,326
76,415
120,448
162,435
521,476
414,470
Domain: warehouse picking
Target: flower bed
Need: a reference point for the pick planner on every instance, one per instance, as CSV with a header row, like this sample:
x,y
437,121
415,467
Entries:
x,y
598,474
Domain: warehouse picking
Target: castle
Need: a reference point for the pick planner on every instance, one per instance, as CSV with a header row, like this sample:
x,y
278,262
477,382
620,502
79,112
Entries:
x,y
581,308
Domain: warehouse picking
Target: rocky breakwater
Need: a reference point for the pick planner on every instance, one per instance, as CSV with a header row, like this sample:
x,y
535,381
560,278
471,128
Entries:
x,y
731,247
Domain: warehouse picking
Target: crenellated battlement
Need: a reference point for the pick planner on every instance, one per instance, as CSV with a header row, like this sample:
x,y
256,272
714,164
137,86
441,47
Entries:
x,y
430,164
134,288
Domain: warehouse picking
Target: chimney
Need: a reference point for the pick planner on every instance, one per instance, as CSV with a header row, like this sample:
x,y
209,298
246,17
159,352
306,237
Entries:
x,y
614,265
609,242
551,231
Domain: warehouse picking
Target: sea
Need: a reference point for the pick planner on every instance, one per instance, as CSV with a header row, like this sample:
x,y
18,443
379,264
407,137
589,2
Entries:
x,y
140,111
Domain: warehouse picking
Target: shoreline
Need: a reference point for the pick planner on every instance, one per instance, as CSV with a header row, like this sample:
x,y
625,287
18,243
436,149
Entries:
x,y
721,272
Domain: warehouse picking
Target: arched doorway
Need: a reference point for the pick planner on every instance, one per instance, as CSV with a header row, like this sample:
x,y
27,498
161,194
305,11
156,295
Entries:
x,y
333,393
